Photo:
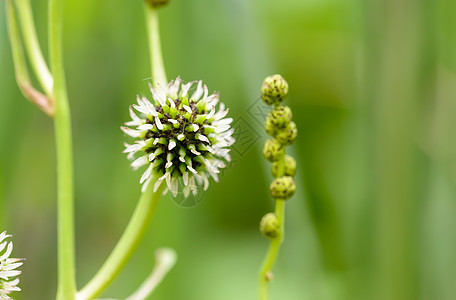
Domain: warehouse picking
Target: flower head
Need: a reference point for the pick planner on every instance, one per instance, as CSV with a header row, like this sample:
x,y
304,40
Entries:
x,y
8,272
179,137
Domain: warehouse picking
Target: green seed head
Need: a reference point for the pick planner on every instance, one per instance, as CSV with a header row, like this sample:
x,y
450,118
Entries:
x,y
287,135
272,150
274,89
290,166
280,116
269,225
269,127
283,187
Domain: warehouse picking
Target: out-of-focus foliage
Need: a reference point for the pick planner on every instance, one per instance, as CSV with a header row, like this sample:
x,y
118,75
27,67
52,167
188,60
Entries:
x,y
373,93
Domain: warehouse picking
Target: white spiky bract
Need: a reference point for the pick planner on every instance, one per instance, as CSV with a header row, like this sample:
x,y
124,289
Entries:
x,y
179,137
8,266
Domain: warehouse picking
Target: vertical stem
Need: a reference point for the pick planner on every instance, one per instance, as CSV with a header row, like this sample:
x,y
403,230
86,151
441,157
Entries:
x,y
274,246
273,251
156,58
65,220
33,47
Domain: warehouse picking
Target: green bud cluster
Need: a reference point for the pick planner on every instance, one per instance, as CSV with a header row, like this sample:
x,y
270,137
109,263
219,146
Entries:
x,y
289,169
283,187
280,126
273,150
269,225
274,89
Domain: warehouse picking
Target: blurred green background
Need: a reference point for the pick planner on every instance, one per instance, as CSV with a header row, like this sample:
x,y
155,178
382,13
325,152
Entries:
x,y
373,92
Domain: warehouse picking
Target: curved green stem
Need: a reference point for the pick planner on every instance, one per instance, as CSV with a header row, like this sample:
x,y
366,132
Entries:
x,y
20,64
32,46
165,259
274,246
156,59
126,246
147,204
66,288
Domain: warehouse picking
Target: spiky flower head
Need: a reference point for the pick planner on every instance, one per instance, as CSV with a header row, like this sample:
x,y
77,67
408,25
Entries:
x,y
8,266
179,137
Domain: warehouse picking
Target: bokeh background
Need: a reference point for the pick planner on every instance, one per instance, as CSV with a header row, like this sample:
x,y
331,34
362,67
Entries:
x,y
373,92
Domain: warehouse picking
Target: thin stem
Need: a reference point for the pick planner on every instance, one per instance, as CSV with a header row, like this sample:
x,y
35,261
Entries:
x,y
20,65
274,246
148,202
273,251
156,59
66,288
165,259
126,246
32,46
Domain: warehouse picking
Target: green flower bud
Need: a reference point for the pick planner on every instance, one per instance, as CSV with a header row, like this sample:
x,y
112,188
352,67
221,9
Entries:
x,y
272,150
289,168
274,89
283,187
280,116
269,225
157,3
288,134
269,127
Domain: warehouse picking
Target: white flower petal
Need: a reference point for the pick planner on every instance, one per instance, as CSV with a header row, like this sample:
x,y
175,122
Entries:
x,y
187,108
164,176
138,163
131,132
158,123
146,174
171,145
226,121
211,113
157,184
145,127
185,89
199,91
185,178
192,170
222,128
174,187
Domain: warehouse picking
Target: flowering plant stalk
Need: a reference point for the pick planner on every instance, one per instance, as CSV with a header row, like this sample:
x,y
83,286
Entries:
x,y
181,138
283,130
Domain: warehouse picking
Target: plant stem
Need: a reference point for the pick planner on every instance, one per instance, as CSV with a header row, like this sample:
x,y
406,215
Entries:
x,y
33,47
156,58
126,246
165,259
20,64
66,288
274,246
148,201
